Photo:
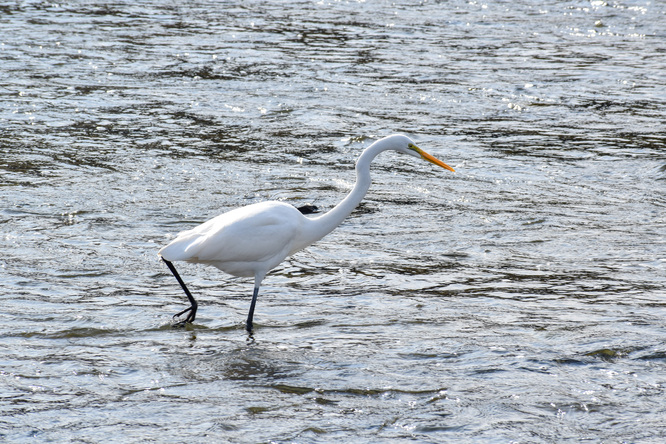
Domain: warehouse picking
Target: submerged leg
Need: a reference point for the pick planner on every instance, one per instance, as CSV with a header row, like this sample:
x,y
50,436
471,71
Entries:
x,y
250,315
193,304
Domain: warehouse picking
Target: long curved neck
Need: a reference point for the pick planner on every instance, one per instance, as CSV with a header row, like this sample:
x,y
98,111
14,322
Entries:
x,y
327,222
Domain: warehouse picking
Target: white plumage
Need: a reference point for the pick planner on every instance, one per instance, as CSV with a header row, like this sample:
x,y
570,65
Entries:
x,y
252,240
242,242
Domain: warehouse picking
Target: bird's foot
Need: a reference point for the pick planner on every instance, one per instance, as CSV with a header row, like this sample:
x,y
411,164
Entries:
x,y
190,317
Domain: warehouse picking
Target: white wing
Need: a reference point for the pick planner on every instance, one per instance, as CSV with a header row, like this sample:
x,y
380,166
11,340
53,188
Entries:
x,y
256,236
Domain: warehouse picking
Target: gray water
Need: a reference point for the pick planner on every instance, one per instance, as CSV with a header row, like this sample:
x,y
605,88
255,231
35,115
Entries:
x,y
520,299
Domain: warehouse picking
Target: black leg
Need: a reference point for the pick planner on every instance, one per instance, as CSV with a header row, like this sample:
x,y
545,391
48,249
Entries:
x,y
193,307
250,315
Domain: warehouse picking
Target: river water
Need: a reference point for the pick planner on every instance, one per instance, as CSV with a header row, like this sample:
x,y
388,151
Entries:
x,y
520,299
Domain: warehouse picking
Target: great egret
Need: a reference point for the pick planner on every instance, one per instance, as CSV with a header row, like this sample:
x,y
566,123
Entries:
x,y
252,240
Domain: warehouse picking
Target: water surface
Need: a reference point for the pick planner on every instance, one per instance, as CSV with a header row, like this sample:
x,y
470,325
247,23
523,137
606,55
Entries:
x,y
520,299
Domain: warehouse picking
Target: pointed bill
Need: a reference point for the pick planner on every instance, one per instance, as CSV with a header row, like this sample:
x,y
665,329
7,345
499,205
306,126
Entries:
x,y
432,159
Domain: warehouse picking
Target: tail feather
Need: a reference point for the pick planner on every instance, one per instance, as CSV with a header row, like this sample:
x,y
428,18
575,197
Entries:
x,y
183,248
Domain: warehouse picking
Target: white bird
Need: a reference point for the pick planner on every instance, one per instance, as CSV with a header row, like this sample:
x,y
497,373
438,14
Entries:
x,y
252,240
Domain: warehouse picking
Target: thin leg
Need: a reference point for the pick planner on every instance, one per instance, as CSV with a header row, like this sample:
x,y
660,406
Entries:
x,y
250,315
193,307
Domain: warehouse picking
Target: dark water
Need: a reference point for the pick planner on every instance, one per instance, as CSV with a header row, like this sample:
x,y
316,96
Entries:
x,y
520,299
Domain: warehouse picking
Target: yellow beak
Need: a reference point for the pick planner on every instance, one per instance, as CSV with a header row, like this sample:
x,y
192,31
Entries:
x,y
431,159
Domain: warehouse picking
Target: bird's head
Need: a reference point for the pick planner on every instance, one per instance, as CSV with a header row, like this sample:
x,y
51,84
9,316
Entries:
x,y
404,144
